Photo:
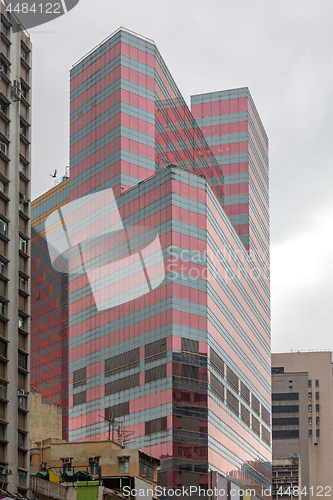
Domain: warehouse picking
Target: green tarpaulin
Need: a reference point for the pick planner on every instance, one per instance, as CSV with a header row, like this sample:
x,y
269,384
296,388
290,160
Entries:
x,y
87,490
71,477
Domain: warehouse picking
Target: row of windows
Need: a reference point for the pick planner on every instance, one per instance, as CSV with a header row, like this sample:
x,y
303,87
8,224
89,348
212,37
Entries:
x,y
317,432
285,396
310,408
232,378
310,383
310,420
310,395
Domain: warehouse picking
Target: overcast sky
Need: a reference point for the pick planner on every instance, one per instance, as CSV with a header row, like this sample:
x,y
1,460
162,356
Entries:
x,y
282,51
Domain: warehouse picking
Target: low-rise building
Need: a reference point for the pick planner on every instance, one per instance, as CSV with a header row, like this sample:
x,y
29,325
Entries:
x,y
113,465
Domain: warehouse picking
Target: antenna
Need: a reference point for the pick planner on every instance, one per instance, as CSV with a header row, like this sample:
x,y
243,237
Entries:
x,y
112,425
123,435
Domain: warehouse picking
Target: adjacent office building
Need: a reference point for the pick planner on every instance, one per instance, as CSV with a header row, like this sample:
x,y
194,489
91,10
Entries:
x,y
15,94
302,416
165,248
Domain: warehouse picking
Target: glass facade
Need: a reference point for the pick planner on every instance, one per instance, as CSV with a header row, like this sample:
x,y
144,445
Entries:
x,y
49,306
178,353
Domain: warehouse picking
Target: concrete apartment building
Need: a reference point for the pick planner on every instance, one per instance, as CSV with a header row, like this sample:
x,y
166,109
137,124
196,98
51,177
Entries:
x,y
15,93
302,416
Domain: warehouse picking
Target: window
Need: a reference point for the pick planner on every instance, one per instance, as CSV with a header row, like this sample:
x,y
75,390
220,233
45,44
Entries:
x,y
22,402
23,283
22,360
66,464
3,106
317,383
3,227
23,129
286,434
285,396
310,433
3,308
277,369
285,421
317,433
310,420
4,28
3,390
22,477
317,396
310,408
21,439
3,147
146,466
123,465
23,244
23,168
285,409
24,91
94,466
24,55
317,420
317,408
2,186
3,348
79,377
3,67
21,322
2,431
309,383
309,395
3,268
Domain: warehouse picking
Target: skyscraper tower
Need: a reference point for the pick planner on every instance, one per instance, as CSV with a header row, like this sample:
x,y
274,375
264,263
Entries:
x,y
168,311
15,94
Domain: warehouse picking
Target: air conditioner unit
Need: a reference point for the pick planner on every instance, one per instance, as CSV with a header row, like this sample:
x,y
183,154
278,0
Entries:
x,y
66,461
8,472
43,465
94,460
122,459
22,392
16,90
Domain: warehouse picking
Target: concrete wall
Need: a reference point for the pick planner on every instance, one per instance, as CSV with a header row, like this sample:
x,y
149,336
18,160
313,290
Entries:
x,y
45,419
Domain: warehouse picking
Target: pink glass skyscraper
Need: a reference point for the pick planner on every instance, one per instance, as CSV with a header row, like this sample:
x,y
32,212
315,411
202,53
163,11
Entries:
x,y
169,308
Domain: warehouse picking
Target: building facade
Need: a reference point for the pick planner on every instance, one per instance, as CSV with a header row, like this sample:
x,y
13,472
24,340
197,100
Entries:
x,y
168,313
49,306
302,414
15,94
